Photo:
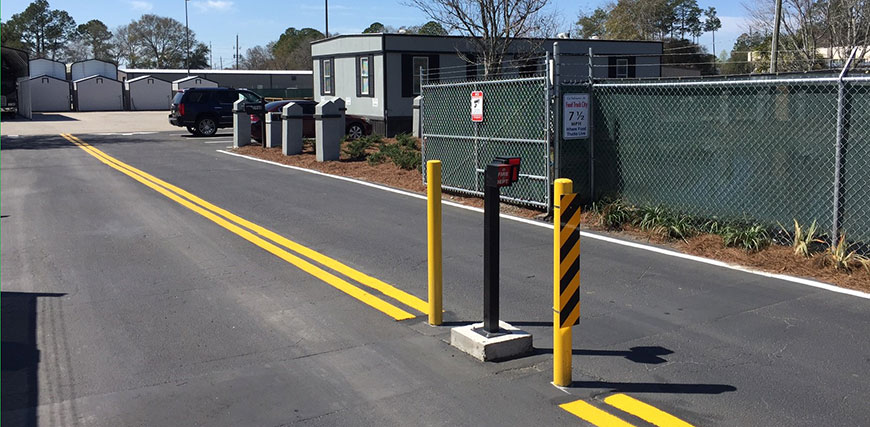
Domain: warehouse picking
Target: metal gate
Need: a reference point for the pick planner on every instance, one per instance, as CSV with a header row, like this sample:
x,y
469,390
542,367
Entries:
x,y
516,122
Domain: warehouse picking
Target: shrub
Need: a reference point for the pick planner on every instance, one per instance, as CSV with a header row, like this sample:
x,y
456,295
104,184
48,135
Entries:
x,y
407,141
713,226
664,223
752,238
376,158
356,149
407,159
803,238
613,214
842,259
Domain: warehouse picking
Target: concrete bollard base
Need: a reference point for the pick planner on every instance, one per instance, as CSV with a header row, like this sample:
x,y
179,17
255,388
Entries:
x,y
510,342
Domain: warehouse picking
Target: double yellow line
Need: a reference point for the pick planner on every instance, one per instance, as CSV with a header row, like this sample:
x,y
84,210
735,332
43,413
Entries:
x,y
625,403
258,235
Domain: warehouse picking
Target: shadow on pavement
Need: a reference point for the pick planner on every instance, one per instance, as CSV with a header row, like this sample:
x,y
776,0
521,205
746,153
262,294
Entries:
x,y
38,117
19,394
187,135
43,142
655,387
645,355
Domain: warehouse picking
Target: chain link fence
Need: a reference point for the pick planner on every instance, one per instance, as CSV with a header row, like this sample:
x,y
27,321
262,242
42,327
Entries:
x,y
515,123
761,150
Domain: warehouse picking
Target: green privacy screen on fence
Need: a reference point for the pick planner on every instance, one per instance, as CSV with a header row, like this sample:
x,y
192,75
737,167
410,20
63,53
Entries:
x,y
755,149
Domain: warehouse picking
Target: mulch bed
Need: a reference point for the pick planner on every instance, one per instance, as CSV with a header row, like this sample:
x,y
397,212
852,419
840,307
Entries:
x,y
774,259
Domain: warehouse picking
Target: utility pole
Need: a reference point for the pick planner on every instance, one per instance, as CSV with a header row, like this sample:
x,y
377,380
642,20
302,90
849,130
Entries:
x,y
237,51
222,62
326,15
187,38
775,41
210,56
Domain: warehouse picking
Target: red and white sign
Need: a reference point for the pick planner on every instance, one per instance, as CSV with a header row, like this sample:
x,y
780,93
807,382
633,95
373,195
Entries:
x,y
477,106
504,176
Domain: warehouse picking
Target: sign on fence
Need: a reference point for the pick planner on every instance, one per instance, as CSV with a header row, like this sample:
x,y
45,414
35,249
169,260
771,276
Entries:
x,y
575,116
477,106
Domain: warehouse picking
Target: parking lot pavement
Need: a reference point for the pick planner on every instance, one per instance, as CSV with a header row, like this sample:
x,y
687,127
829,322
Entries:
x,y
149,309
89,122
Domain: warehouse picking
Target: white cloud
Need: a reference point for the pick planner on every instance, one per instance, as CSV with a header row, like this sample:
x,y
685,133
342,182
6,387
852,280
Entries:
x,y
205,6
141,6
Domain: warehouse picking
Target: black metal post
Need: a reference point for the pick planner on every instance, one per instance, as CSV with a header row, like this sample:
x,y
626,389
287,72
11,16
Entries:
x,y
490,249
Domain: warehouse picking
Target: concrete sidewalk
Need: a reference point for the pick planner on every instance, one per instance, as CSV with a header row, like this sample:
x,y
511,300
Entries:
x,y
88,122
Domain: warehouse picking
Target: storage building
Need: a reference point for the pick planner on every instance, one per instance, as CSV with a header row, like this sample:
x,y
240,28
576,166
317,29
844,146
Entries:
x,y
287,84
192,81
98,93
47,67
92,67
148,93
48,93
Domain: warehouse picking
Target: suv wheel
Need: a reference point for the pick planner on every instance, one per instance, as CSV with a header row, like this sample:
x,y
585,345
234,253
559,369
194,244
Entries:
x,y
354,131
206,126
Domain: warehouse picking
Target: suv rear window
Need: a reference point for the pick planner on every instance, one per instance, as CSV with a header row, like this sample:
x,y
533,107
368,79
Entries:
x,y
177,99
196,97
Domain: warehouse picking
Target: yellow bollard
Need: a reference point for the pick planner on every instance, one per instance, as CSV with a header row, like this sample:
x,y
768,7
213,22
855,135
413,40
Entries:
x,y
565,301
433,193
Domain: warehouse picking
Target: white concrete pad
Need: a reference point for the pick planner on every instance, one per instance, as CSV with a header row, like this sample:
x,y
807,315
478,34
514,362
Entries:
x,y
512,343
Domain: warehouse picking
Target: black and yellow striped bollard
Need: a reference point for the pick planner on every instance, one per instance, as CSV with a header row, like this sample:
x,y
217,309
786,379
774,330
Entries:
x,y
566,277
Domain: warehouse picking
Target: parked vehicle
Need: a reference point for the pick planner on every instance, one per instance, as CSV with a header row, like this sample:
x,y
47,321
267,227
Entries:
x,y
355,126
204,110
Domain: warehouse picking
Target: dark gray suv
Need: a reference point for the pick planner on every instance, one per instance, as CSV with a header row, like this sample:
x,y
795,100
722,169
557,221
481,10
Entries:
x,y
205,110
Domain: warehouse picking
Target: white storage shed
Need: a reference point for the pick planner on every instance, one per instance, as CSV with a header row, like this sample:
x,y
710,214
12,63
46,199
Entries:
x,y
92,67
98,93
48,93
47,67
192,81
148,93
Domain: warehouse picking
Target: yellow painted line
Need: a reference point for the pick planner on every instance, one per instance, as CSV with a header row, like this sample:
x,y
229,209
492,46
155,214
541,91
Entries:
x,y
644,411
385,288
593,415
342,285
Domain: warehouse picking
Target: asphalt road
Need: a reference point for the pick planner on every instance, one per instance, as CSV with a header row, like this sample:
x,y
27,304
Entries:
x,y
120,306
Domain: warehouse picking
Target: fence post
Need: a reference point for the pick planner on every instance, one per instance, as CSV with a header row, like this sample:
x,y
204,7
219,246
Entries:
x,y
557,116
549,92
433,193
591,130
838,148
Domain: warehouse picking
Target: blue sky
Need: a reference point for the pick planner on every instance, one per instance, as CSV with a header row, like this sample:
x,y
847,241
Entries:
x,y
260,22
